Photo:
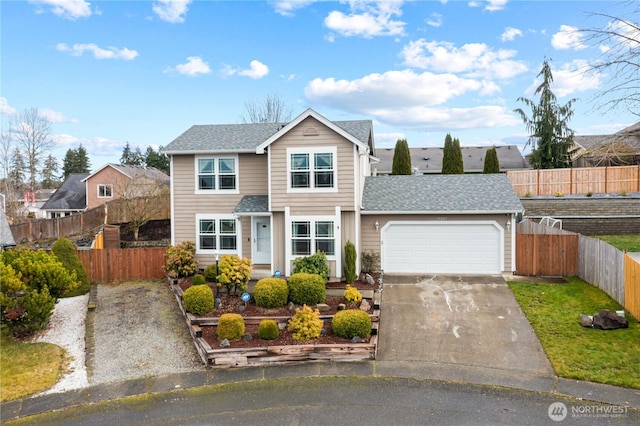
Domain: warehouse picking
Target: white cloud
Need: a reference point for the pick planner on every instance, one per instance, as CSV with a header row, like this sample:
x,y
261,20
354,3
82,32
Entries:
x,y
388,140
288,8
55,116
68,9
568,38
472,60
256,71
489,5
435,20
510,34
98,52
173,11
570,79
193,67
5,108
367,19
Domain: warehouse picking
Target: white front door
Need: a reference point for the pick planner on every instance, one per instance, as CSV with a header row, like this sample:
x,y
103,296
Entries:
x,y
261,244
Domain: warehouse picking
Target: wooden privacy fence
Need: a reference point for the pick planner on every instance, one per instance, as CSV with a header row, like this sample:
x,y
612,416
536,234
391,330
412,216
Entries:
x,y
581,180
632,286
52,229
602,265
123,264
544,250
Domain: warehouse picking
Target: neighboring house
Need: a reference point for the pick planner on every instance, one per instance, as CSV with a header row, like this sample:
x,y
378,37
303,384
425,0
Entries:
x,y
276,192
113,181
429,160
619,149
6,237
70,198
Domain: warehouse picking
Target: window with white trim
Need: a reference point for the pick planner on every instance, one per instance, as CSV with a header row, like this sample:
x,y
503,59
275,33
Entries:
x,y
105,191
311,169
217,234
308,237
216,173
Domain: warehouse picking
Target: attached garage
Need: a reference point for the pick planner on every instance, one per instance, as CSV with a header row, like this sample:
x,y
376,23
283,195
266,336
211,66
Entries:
x,y
461,247
440,224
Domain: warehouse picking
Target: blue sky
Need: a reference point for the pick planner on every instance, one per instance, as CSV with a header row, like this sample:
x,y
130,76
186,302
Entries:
x,y
110,72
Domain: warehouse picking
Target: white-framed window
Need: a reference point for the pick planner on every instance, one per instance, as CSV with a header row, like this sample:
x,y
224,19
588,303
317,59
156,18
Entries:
x,y
217,233
310,236
105,191
216,174
312,169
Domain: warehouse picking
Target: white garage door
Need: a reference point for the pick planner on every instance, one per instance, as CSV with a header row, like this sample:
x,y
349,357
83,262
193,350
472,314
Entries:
x,y
462,247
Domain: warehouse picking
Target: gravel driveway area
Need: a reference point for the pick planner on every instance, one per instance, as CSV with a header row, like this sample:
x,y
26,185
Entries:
x,y
137,330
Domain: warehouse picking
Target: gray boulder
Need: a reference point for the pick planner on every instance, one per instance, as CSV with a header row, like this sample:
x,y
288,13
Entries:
x,y
607,320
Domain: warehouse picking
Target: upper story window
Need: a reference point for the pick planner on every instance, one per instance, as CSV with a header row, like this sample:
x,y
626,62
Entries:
x,y
311,169
105,191
216,174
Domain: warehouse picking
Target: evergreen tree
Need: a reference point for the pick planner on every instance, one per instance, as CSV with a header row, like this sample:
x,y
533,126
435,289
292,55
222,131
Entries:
x,y
49,173
549,135
491,164
458,163
75,161
401,158
131,157
17,170
156,159
447,155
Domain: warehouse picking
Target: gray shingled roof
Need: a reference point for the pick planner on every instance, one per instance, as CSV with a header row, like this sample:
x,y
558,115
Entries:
x,y
475,193
629,135
253,204
71,196
429,159
139,171
245,137
6,237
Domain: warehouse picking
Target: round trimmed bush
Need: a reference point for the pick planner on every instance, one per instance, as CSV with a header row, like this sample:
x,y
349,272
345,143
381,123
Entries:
x,y
268,329
230,326
198,299
305,324
351,323
210,273
307,289
271,293
198,279
352,295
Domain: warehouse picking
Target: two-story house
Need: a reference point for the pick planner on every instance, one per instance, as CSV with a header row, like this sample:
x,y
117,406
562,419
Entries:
x,y
274,192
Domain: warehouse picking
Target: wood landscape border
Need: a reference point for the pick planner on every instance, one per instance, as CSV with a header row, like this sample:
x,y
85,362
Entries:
x,y
267,355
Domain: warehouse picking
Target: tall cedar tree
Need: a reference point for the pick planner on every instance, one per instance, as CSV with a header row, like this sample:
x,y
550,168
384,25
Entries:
x,y
157,159
75,161
458,163
549,135
131,157
491,164
401,158
49,173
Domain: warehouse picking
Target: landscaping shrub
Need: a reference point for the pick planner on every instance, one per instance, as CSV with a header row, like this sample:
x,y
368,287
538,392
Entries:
x,y
352,295
314,264
351,323
268,329
230,326
307,289
306,324
211,273
370,261
350,262
234,272
40,269
271,293
64,250
180,260
198,279
198,300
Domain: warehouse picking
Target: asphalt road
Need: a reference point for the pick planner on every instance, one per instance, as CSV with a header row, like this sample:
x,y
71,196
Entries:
x,y
338,401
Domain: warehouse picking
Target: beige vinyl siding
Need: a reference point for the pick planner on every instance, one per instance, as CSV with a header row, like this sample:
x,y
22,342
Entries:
x,y
252,173
278,243
371,238
247,237
306,203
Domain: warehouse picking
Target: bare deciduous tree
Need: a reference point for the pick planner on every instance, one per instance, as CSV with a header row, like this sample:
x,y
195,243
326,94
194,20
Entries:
x,y
33,134
272,110
619,40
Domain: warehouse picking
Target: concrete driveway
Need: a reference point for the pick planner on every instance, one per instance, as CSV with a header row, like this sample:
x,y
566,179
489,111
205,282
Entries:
x,y
465,320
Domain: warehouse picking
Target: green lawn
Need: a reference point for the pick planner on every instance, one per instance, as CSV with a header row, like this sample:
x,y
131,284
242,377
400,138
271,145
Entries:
x,y
622,242
577,352
27,368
